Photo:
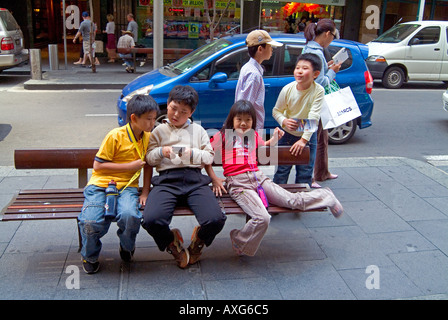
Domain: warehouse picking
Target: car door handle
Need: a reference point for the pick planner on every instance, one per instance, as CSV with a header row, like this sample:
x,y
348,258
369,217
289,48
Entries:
x,y
436,49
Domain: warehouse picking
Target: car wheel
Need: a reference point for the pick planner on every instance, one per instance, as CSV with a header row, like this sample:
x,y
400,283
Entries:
x,y
393,78
342,134
161,117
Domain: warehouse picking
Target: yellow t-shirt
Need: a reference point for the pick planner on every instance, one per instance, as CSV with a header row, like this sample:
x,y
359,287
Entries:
x,y
117,147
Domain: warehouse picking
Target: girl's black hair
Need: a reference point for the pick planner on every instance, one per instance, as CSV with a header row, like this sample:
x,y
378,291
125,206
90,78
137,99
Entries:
x,y
240,107
314,29
141,104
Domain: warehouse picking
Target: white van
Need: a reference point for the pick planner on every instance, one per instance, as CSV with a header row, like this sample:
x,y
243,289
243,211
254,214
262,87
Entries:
x,y
415,50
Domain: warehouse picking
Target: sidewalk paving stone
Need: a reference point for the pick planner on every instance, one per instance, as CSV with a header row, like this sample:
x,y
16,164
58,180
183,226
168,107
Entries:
x,y
392,221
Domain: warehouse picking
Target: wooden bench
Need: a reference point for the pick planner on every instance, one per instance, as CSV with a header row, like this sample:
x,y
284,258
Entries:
x,y
45,204
169,54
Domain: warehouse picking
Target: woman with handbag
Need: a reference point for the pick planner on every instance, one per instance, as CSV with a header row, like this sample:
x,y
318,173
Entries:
x,y
319,36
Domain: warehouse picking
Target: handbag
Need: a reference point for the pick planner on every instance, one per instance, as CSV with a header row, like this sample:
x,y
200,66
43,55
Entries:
x,y
339,106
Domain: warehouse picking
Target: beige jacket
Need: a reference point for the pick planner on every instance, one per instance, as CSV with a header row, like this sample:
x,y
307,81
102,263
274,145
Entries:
x,y
191,135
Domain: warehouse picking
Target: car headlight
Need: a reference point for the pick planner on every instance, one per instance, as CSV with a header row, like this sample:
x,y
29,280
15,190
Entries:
x,y
145,91
376,59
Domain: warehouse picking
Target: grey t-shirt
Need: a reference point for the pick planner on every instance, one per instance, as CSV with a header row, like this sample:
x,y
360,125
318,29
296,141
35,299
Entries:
x,y
133,27
84,28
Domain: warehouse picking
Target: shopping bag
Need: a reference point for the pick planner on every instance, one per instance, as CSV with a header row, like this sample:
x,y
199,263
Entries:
x,y
339,107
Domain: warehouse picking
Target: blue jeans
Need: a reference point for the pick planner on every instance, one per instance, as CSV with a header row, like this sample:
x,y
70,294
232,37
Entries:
x,y
93,226
304,173
127,58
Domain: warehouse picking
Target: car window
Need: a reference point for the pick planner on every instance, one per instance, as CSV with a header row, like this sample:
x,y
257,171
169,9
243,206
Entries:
x,y
232,63
9,21
268,65
397,33
289,59
332,50
202,75
189,61
429,35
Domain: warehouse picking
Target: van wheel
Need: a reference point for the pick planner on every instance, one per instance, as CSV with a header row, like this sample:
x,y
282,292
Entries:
x,y
393,78
342,134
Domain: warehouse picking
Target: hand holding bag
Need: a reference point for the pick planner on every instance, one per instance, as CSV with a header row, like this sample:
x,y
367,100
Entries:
x,y
339,106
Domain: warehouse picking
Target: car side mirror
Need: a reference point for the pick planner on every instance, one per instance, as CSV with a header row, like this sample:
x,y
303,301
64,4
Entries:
x,y
219,77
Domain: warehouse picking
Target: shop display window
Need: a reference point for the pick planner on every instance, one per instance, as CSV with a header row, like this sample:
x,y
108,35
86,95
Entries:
x,y
285,17
186,20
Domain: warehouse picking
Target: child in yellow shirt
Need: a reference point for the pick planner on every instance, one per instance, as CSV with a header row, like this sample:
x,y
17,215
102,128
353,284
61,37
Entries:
x,y
120,158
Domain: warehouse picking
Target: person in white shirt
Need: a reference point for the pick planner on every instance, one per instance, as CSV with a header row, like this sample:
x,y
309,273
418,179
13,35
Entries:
x,y
111,46
127,41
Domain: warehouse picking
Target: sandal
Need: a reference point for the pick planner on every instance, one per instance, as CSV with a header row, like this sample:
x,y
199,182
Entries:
x,y
315,185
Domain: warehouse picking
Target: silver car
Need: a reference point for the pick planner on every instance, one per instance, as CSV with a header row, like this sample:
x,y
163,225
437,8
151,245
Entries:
x,y
12,53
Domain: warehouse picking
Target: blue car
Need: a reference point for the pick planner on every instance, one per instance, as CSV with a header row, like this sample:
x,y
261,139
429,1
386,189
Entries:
x,y
213,69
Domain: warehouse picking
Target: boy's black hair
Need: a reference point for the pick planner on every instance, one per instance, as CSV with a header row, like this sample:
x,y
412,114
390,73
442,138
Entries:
x,y
185,95
141,104
253,50
312,58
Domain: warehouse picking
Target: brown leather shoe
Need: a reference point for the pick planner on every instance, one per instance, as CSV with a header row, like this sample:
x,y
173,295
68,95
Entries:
x,y
196,246
175,248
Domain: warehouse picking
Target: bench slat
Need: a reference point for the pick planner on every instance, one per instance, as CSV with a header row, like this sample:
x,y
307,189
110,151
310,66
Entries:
x,y
40,216
67,203
83,158
55,158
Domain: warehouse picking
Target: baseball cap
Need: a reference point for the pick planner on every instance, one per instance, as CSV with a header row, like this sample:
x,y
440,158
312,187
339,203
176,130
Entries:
x,y
85,14
257,37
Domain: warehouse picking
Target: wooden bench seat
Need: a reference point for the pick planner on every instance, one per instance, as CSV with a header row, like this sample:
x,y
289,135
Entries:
x,y
169,54
50,204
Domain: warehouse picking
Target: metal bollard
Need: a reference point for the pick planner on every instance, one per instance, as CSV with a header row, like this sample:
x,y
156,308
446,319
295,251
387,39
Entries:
x,y
36,64
53,56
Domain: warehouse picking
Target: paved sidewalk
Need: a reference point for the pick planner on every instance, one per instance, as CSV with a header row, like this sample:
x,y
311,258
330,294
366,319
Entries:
x,y
107,75
391,243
